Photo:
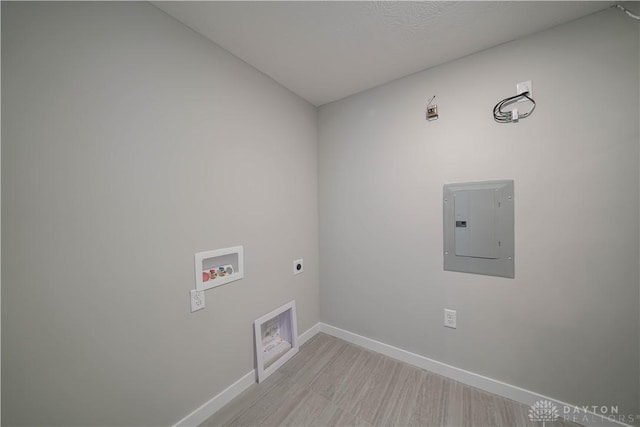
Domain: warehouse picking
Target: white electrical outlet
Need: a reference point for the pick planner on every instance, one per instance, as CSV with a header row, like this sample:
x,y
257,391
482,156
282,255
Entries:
x,y
450,318
524,87
197,300
298,266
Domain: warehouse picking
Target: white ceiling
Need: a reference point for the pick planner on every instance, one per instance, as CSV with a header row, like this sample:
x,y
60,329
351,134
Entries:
x,y
324,51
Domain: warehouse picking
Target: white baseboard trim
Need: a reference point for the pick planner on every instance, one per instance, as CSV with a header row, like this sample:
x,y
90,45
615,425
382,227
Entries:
x,y
518,394
309,333
201,414
586,418
214,404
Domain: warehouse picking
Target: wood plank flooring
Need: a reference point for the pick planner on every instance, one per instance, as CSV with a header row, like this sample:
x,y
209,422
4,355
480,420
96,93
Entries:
x,y
334,383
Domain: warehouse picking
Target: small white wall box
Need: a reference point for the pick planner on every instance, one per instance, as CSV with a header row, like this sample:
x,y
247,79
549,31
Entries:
x,y
218,267
276,336
478,228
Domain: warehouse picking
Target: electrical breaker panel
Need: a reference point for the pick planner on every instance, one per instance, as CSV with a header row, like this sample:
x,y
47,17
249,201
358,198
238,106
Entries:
x,y
478,228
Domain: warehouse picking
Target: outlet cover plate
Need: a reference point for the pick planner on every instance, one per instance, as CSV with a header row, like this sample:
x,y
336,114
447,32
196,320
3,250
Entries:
x,y
197,300
298,266
524,87
450,318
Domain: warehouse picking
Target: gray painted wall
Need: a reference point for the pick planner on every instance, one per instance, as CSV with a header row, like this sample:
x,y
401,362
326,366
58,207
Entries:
x,y
129,143
568,325
114,118
0,222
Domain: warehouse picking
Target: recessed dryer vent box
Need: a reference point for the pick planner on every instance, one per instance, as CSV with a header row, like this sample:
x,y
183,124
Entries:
x,y
478,228
276,336
218,267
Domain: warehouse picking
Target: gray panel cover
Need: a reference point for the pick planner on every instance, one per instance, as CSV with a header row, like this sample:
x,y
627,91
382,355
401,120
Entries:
x,y
479,228
475,227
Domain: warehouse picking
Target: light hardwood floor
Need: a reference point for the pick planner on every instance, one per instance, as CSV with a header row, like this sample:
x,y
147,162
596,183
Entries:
x,y
334,383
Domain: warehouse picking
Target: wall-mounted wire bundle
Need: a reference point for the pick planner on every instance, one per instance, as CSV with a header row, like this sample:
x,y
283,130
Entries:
x,y
627,11
501,116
